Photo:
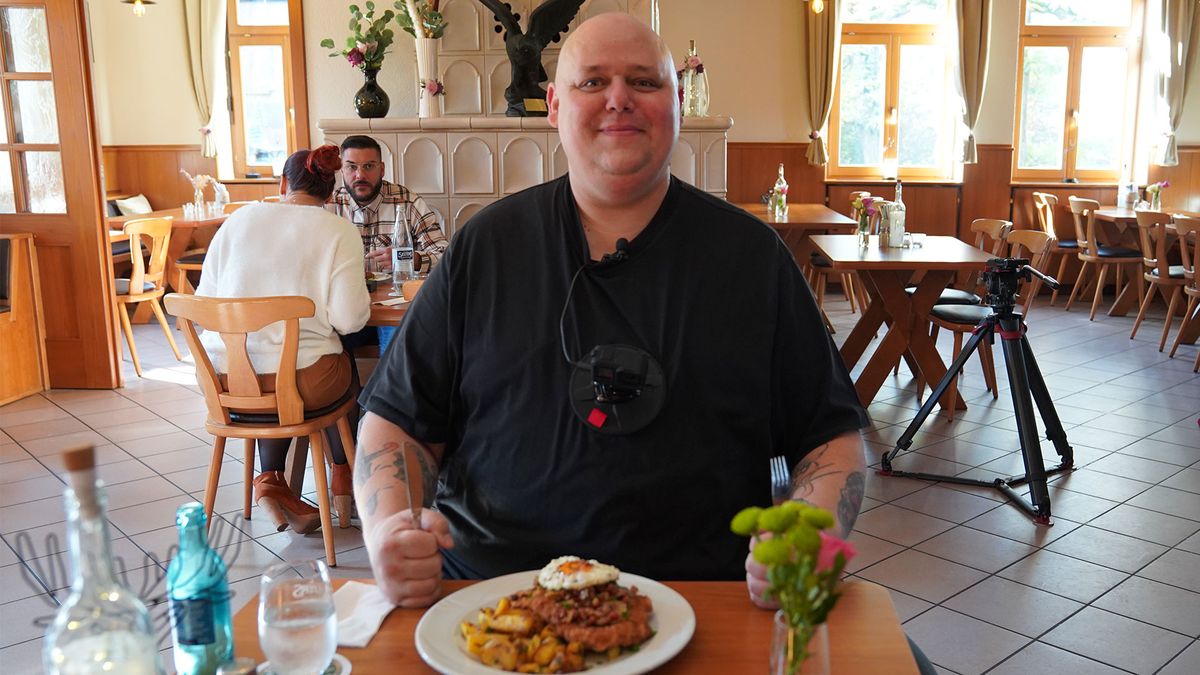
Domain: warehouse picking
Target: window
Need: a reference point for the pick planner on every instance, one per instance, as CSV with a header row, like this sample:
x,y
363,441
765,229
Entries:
x,y
266,68
31,177
1076,90
892,112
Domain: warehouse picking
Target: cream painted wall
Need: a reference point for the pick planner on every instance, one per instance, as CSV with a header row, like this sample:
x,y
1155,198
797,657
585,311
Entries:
x,y
997,113
142,86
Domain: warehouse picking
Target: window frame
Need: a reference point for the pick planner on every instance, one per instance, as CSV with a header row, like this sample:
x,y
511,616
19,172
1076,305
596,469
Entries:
x,y
291,39
1076,39
17,150
893,37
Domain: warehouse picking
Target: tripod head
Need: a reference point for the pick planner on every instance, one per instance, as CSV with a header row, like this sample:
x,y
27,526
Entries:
x,y
1003,276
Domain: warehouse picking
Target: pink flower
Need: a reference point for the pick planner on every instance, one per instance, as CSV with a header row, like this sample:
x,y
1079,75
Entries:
x,y
365,47
693,62
831,546
355,57
1165,183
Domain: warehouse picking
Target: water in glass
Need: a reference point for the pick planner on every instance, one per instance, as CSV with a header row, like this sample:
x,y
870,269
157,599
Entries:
x,y
297,626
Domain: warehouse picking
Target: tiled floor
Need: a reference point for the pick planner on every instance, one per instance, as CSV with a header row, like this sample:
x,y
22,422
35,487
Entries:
x,y
1113,586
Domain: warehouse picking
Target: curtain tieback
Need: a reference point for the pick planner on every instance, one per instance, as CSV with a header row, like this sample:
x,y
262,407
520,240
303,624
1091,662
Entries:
x,y
815,134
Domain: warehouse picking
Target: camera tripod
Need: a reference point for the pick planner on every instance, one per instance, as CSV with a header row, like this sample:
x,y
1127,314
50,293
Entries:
x,y
1001,277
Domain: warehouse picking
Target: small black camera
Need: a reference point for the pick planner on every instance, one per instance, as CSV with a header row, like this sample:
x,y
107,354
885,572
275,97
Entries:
x,y
618,372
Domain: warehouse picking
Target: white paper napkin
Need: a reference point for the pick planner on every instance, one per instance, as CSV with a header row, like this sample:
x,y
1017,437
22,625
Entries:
x,y
360,609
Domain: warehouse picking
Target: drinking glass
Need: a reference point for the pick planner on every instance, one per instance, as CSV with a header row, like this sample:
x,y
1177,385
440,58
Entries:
x,y
297,625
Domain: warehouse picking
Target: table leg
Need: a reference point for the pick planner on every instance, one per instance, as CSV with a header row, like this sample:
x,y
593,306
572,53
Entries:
x,y
867,326
1192,334
1128,297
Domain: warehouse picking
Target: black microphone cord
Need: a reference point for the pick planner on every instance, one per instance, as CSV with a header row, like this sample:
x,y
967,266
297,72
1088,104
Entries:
x,y
562,332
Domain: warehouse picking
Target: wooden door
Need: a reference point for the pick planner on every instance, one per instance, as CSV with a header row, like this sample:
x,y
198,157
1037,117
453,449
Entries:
x,y
50,183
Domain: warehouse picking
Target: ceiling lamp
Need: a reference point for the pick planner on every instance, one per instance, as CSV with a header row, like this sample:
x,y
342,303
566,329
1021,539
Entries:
x,y
139,6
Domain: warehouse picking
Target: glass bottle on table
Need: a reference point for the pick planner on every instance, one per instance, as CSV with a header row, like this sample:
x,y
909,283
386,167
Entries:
x,y
694,82
402,252
199,598
896,219
779,196
102,627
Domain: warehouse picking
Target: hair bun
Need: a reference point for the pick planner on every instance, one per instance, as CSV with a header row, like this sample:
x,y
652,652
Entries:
x,y
324,161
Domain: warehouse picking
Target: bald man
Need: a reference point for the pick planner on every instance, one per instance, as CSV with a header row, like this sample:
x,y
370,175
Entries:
x,y
520,467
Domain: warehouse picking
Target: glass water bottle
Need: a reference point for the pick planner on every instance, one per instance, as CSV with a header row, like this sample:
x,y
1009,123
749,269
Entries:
x,y
102,627
403,264
778,205
199,595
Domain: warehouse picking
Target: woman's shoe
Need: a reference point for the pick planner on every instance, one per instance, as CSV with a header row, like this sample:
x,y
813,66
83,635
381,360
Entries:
x,y
271,492
343,494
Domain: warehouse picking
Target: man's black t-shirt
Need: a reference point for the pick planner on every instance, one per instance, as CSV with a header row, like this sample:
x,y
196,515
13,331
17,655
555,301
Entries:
x,y
708,290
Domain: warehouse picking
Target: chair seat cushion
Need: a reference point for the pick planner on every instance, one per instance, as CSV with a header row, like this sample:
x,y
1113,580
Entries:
x,y
1176,272
818,261
951,296
122,248
123,286
272,418
1117,252
193,259
1067,243
967,315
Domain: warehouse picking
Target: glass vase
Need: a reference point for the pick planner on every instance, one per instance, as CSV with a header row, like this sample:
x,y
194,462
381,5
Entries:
x,y
428,104
371,100
799,651
1156,201
864,231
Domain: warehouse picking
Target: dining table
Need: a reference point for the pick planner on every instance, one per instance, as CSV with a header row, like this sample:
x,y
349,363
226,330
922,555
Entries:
x,y
1125,220
799,221
731,635
186,233
885,272
386,309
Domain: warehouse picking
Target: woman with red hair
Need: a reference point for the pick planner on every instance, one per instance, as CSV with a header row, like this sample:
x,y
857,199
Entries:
x,y
295,247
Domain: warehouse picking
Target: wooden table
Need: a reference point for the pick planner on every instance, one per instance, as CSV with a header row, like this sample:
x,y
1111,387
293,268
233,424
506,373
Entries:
x,y
732,635
385,315
185,234
799,222
885,272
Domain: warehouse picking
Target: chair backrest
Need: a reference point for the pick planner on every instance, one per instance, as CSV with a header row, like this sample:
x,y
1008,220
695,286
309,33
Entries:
x,y
1188,229
1152,233
997,230
1083,212
1036,243
234,319
854,196
158,231
234,206
271,198
1044,204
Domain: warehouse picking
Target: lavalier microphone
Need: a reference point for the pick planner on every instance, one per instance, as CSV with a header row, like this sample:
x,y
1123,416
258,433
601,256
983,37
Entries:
x,y
619,255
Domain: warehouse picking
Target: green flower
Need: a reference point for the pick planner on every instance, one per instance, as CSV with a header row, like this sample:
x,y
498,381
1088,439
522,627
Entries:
x,y
773,551
819,518
777,519
804,538
745,523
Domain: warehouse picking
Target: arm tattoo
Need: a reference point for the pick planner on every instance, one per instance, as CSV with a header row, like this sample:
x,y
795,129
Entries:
x,y
851,500
367,466
366,460
427,469
809,470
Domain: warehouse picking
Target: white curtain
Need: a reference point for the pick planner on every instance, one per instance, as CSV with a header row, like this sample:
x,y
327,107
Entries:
x,y
204,34
1179,25
974,33
823,33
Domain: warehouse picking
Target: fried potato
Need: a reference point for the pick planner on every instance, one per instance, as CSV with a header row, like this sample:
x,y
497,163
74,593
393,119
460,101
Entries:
x,y
516,640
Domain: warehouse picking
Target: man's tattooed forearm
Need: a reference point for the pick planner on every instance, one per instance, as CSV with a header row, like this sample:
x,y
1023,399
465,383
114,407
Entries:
x,y
851,500
427,468
365,463
809,470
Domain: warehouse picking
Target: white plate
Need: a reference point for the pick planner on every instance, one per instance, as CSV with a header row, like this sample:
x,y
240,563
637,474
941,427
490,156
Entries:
x,y
441,645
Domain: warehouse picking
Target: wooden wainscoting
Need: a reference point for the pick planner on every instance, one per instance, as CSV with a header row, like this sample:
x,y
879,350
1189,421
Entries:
x,y
985,192
1184,193
1023,215
751,169
153,170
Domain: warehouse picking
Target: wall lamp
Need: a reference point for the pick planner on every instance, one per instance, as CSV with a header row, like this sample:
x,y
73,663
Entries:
x,y
139,6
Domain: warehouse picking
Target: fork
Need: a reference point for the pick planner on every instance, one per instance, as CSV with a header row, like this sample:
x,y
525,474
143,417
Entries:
x,y
781,482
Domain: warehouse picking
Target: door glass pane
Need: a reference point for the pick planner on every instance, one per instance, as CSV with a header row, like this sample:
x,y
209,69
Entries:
x,y
1077,12
8,202
860,111
263,104
44,182
1043,107
26,47
894,11
263,12
1101,108
33,112
922,72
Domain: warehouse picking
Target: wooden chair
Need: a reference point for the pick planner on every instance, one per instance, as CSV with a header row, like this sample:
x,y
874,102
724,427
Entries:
x,y
1044,204
984,229
272,198
192,260
145,282
1157,270
1038,246
241,409
962,319
820,269
1095,254
1189,229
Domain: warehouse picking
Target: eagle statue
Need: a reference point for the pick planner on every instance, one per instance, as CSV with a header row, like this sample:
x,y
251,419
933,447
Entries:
x,y
546,23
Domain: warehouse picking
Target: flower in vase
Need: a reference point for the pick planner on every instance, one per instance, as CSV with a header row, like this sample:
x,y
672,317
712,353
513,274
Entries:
x,y
1155,188
355,57
371,37
804,564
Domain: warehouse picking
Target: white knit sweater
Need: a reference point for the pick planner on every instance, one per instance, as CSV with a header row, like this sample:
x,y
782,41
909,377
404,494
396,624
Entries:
x,y
284,249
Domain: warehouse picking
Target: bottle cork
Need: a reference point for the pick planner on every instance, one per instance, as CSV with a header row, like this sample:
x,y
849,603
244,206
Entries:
x,y
80,462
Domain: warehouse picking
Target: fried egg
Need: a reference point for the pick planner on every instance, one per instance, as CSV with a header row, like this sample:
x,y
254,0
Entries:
x,y
572,572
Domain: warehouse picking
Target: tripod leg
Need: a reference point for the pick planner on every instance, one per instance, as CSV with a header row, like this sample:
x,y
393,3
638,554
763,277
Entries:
x,y
1045,405
1031,450
983,330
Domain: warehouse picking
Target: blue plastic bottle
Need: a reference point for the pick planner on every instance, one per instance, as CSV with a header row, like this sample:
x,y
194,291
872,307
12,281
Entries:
x,y
199,595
